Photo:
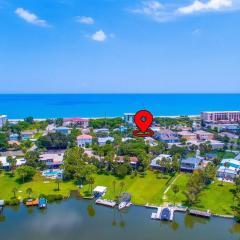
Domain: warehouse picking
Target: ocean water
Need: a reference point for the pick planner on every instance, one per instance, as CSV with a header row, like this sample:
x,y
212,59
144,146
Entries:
x,y
100,105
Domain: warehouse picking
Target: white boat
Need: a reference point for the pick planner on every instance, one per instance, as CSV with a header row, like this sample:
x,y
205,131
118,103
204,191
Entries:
x,y
122,205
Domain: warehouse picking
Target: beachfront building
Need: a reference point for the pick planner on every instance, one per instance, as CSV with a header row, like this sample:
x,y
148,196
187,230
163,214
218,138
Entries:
x,y
190,164
52,159
204,136
129,118
84,140
76,122
13,137
221,117
104,140
167,136
6,165
62,130
229,169
154,163
3,120
187,135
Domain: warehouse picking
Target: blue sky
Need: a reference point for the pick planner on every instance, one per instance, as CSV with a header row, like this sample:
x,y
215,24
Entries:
x,y
103,46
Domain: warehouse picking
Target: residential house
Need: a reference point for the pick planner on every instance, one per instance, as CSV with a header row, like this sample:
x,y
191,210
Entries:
x,y
104,140
26,135
102,130
188,136
84,139
80,122
167,136
154,163
150,141
52,159
203,135
62,130
132,160
229,169
190,164
6,165
231,136
13,137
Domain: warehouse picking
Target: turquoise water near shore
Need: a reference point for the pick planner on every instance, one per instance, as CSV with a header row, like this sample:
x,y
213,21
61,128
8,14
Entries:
x,y
99,105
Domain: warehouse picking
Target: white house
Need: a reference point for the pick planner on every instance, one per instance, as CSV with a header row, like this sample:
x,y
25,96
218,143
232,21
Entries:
x,y
154,163
6,165
83,140
229,169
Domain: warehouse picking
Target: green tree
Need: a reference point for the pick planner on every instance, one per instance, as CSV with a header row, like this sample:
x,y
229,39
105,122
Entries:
x,y
29,192
29,120
25,172
114,188
121,170
122,185
175,189
58,181
12,163
14,190
59,122
3,142
91,181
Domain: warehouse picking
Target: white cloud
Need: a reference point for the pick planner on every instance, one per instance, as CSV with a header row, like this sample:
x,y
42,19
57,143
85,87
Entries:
x,y
85,20
165,12
99,36
211,5
30,17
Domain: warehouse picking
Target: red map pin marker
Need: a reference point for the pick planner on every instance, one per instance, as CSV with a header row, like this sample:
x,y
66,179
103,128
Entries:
x,y
143,120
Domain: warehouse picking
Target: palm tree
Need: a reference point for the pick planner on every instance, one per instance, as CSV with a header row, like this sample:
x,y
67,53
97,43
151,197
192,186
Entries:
x,y
122,184
14,190
175,189
12,163
91,181
58,181
29,192
226,165
114,188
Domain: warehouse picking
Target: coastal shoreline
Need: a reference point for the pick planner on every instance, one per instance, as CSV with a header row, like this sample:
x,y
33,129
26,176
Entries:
x,y
94,118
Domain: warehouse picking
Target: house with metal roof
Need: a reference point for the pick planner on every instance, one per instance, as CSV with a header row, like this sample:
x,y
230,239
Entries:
x,y
190,164
229,169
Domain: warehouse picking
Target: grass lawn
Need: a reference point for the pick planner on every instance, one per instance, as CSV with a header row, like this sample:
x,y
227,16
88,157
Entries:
x,y
38,184
147,189
215,197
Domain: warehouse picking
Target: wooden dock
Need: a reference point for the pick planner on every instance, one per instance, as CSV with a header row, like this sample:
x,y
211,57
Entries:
x,y
105,202
200,213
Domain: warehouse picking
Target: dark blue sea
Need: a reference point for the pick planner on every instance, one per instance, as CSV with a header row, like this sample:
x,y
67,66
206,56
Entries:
x,y
99,105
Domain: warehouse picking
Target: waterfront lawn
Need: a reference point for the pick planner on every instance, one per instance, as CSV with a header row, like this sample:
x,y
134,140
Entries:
x,y
181,182
38,185
147,189
216,197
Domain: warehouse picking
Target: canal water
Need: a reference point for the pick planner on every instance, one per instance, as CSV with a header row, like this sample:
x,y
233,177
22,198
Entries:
x,y
82,219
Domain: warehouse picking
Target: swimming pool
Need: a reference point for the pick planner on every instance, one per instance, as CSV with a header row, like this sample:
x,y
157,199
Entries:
x,y
53,173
